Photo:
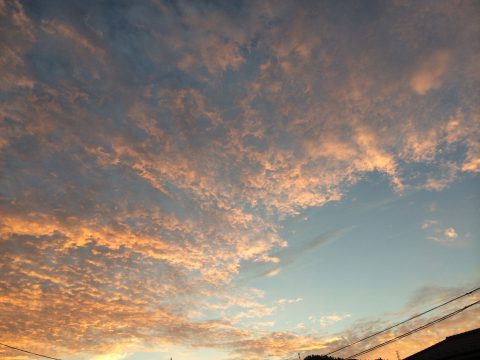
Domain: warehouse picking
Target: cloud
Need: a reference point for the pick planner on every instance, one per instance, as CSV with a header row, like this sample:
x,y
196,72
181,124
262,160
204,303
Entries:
x,y
289,301
275,344
429,73
423,298
326,321
442,235
266,323
447,176
428,223
110,356
329,320
300,326
426,296
150,150
450,233
272,273
287,256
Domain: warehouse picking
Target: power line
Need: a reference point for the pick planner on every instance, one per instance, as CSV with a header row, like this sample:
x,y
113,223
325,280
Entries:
x,y
404,321
29,352
414,330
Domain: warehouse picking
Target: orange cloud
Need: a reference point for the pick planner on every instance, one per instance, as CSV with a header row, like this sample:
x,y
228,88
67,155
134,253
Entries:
x,y
143,161
409,345
429,73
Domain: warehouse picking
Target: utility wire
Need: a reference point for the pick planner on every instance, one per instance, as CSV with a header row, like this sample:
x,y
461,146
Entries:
x,y
414,330
29,352
404,321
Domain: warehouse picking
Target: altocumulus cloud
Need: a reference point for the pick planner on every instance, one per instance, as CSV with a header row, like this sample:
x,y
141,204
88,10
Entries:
x,y
149,148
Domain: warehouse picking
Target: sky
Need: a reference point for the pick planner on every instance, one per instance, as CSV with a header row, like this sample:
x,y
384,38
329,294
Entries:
x,y
235,180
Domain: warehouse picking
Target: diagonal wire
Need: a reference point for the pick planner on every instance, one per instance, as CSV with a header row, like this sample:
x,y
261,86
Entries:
x,y
414,330
404,321
29,352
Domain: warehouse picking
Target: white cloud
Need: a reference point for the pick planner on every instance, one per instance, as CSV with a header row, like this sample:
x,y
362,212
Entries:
x,y
441,235
274,272
328,320
428,223
450,233
289,301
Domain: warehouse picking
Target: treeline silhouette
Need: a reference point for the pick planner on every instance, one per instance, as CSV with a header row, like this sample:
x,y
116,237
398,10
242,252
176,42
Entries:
x,y
325,357
321,357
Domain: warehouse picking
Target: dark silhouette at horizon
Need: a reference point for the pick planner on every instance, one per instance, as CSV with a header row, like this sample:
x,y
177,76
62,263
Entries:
x,y
462,346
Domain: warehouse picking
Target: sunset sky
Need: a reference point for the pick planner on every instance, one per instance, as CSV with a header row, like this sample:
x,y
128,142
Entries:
x,y
236,180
